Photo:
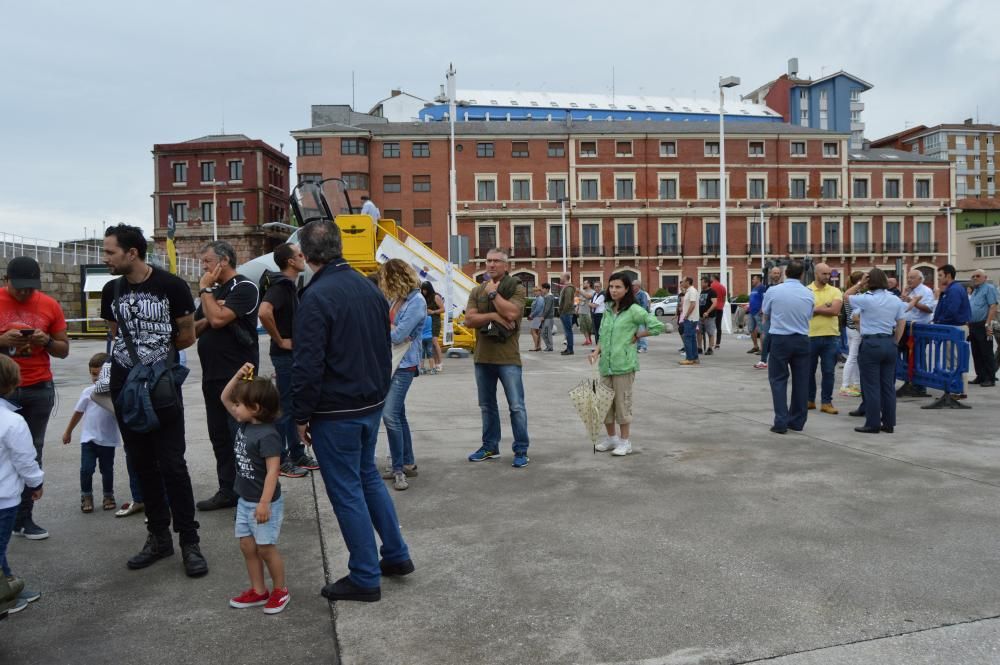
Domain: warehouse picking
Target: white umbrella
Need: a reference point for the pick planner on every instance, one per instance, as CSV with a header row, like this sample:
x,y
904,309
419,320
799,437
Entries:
x,y
592,400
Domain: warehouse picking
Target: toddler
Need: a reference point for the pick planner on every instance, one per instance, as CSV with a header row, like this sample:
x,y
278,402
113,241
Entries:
x,y
99,437
255,405
18,469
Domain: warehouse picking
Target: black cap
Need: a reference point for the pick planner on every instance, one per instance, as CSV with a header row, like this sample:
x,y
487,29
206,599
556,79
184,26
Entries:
x,y
23,273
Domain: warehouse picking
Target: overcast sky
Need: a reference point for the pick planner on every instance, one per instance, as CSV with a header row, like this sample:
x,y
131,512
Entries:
x,y
89,87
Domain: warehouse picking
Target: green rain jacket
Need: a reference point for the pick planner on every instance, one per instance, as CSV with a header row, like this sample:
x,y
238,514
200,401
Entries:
x,y
618,352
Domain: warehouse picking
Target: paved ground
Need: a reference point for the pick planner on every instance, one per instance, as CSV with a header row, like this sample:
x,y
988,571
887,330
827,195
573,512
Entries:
x,y
716,542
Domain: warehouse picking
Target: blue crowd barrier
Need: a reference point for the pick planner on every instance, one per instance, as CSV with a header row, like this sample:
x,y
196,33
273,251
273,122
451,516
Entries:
x,y
940,357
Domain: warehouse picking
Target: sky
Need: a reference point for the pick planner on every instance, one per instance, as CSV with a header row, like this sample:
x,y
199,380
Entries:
x,y
90,87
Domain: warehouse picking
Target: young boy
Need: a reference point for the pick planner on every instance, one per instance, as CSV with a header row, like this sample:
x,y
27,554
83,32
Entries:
x,y
255,405
18,469
427,345
99,437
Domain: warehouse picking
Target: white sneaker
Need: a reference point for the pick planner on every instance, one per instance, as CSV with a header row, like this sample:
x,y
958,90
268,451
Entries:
x,y
607,443
623,448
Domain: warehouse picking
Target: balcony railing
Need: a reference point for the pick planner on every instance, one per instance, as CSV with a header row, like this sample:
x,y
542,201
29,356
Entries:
x,y
627,250
711,249
800,248
922,247
831,248
554,251
892,247
586,250
862,248
753,249
522,252
668,250
482,250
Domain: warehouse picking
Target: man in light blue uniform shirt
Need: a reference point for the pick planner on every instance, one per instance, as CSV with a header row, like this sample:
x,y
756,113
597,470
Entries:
x,y
983,304
789,308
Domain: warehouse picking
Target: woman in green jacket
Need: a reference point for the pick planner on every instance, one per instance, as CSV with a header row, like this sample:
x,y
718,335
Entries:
x,y
621,328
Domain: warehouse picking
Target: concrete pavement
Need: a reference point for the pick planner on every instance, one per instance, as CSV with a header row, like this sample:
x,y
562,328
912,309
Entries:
x,y
716,542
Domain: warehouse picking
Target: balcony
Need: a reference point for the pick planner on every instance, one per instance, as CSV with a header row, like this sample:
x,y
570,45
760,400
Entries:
x,y
862,248
555,252
922,247
892,247
831,248
668,250
522,252
711,249
800,248
586,250
753,249
627,250
482,250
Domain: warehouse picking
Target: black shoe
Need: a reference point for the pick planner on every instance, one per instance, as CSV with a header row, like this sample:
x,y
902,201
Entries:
x,y
217,501
708,352
156,548
794,428
345,589
857,413
779,430
887,429
976,380
867,430
564,353
753,351
194,563
987,384
397,569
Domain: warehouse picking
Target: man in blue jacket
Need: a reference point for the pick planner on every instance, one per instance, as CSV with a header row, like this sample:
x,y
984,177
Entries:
x,y
340,378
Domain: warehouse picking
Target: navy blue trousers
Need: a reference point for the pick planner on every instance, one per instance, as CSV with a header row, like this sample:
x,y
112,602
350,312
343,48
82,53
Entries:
x,y
789,357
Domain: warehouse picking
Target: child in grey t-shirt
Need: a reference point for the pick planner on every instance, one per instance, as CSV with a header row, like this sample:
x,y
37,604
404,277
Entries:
x,y
254,403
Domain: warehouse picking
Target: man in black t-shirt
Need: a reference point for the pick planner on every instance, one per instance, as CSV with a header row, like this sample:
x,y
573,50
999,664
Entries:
x,y
154,308
226,326
277,312
706,312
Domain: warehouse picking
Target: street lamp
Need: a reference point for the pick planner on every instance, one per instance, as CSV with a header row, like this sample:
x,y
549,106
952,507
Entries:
x,y
215,207
762,236
949,209
452,187
725,82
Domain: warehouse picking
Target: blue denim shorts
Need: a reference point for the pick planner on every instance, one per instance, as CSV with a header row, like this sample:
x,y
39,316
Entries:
x,y
263,534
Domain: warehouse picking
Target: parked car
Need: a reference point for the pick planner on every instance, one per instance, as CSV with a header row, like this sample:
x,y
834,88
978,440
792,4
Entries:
x,y
664,306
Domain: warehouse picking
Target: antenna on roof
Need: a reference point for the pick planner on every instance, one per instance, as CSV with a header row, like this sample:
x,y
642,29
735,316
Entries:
x,y
223,116
353,105
612,84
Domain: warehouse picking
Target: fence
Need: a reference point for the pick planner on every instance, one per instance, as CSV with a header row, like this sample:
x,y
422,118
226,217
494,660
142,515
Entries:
x,y
79,253
935,357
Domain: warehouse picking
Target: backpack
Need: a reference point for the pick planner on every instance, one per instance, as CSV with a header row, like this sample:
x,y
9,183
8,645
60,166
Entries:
x,y
267,280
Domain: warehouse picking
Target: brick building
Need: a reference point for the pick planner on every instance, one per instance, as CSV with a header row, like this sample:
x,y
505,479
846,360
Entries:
x,y
229,183
643,195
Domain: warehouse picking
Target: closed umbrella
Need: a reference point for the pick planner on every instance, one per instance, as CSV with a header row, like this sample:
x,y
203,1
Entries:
x,y
592,400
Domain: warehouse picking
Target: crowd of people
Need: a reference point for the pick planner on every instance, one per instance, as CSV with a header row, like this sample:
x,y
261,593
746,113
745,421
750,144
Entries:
x,y
345,351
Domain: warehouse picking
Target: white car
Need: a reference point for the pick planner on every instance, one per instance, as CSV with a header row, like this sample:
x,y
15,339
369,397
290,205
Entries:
x,y
664,306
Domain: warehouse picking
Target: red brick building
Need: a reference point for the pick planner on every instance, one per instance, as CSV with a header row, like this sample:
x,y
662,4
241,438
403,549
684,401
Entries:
x,y
643,196
229,183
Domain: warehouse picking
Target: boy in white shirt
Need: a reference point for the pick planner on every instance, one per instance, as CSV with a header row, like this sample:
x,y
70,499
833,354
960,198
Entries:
x,y
18,469
99,437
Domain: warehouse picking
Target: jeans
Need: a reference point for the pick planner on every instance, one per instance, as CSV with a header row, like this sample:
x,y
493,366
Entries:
x,y
689,332
822,352
36,403
567,323
90,455
7,518
877,362
222,433
790,355
345,450
397,428
133,480
546,332
765,339
643,343
852,376
157,459
294,449
597,325
513,388
982,352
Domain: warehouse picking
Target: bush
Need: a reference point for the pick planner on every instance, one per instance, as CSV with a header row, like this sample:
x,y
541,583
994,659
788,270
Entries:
x,y
743,297
661,293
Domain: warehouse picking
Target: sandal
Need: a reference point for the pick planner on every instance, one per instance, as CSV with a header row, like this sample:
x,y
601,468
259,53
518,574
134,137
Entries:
x,y
130,509
109,503
87,504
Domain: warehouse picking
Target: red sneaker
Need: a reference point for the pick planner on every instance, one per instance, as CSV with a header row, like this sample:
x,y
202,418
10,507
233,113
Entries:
x,y
249,598
277,602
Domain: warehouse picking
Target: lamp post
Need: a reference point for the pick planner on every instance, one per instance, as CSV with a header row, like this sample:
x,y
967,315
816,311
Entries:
x,y
452,187
562,208
724,82
762,236
949,209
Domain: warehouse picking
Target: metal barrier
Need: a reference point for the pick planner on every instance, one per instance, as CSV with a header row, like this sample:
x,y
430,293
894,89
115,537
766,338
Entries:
x,y
935,356
80,253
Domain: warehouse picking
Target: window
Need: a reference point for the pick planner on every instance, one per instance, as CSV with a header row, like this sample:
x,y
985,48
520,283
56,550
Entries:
x,y
390,150
522,240
310,177
756,149
487,236
484,150
893,237
830,149
855,94
670,240
208,171
923,237
756,188
520,189
395,215
236,169
855,116
207,211
711,238
861,188
588,148
804,118
822,98
392,184
421,216
557,189
708,188
624,189
358,181
589,189
353,147
623,148
237,211
555,239
421,183
591,239
625,239
831,236
798,148
421,149
668,188
557,149
830,188
519,149
486,190
711,148
824,119
668,148
859,232
892,188
180,212
180,172
797,188
803,96
755,237
799,237
310,147
923,188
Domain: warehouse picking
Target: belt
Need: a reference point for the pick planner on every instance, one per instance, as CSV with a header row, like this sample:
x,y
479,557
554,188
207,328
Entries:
x,y
879,335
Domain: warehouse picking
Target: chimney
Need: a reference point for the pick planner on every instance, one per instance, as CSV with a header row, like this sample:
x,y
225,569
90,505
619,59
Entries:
x,y
395,93
793,67
967,121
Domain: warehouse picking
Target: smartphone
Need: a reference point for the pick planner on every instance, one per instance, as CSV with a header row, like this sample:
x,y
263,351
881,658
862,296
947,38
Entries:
x,y
27,332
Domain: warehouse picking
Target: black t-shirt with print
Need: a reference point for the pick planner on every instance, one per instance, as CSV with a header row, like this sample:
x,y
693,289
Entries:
x,y
254,444
705,300
284,298
224,350
148,311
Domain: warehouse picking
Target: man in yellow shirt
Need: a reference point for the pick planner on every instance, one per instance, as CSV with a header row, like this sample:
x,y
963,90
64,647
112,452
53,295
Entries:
x,y
824,335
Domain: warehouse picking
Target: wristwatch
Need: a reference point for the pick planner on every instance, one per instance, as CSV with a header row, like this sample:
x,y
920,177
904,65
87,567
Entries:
x,y
492,295
207,289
